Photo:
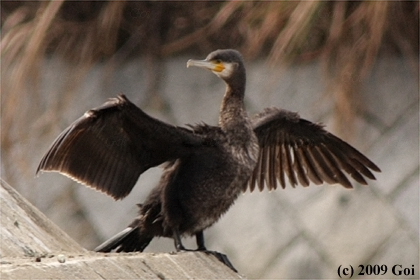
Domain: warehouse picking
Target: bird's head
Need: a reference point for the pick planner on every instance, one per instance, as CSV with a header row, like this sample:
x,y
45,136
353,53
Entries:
x,y
226,64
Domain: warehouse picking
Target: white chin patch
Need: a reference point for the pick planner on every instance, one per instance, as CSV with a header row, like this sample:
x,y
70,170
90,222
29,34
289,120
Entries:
x,y
227,72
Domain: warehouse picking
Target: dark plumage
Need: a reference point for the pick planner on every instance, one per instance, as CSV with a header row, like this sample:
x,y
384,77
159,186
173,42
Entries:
x,y
207,167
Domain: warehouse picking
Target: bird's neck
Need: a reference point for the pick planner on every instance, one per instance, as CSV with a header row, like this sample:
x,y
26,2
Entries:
x,y
234,121
232,112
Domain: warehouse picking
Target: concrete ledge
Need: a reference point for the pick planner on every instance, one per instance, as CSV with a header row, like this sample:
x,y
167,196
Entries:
x,y
190,265
32,247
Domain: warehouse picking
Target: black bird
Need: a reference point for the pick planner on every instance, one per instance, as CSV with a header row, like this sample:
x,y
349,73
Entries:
x,y
207,167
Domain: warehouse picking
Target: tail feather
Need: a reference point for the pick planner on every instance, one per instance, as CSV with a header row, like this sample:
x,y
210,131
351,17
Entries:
x,y
128,240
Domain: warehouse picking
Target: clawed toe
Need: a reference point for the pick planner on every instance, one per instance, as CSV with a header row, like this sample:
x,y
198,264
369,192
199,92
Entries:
x,y
223,258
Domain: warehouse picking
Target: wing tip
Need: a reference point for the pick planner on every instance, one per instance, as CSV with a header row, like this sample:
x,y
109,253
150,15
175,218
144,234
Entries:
x,y
122,96
375,168
37,171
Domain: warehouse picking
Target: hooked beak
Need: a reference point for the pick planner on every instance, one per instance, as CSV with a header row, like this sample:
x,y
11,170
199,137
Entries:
x,y
210,65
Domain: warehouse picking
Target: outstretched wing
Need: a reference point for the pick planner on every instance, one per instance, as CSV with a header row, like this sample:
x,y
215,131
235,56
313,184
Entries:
x,y
303,152
110,146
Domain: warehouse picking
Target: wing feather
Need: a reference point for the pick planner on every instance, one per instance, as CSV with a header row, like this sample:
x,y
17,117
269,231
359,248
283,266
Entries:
x,y
288,165
271,174
311,172
262,169
109,147
334,166
303,152
299,167
280,172
322,166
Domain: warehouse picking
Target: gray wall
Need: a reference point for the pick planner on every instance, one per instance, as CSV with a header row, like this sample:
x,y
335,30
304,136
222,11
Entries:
x,y
291,233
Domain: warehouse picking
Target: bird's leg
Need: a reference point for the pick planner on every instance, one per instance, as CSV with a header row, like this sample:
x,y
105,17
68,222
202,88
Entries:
x,y
177,241
201,247
199,236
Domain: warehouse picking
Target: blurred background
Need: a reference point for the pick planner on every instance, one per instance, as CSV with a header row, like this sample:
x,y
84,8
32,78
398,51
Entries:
x,y
352,65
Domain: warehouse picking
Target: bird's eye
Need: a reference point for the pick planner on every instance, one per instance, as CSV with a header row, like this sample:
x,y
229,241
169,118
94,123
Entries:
x,y
218,61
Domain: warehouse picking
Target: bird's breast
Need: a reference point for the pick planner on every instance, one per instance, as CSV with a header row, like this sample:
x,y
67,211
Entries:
x,y
244,151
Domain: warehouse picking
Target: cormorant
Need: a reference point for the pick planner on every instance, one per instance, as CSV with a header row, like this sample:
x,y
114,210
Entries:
x,y
207,167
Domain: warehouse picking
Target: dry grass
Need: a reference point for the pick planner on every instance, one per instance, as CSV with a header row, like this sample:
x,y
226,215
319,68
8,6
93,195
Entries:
x,y
347,36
